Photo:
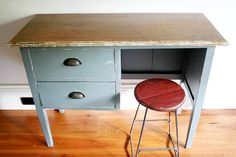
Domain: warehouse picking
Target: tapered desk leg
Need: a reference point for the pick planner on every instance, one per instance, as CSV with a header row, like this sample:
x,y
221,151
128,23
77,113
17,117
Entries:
x,y
42,114
43,118
199,100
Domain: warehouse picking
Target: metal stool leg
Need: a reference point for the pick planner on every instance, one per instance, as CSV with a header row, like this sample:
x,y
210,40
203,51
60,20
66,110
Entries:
x,y
169,123
176,149
136,113
131,129
177,133
141,133
170,136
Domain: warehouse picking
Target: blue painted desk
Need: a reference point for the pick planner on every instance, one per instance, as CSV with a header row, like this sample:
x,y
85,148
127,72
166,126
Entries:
x,y
77,61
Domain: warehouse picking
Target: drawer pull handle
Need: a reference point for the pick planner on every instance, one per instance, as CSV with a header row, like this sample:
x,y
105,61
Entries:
x,y
72,62
76,95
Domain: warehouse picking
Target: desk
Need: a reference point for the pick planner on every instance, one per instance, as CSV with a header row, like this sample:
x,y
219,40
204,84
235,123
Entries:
x,y
75,61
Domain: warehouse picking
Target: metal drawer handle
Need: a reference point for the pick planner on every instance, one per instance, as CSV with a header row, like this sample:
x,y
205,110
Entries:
x,y
72,62
76,95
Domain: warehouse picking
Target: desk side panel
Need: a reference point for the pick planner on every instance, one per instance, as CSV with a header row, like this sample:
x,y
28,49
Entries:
x,y
193,70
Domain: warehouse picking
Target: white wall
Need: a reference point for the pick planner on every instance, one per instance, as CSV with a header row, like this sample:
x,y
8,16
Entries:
x,y
15,14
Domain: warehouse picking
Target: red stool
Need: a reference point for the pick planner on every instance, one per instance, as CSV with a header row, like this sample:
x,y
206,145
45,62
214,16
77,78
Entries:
x,y
159,95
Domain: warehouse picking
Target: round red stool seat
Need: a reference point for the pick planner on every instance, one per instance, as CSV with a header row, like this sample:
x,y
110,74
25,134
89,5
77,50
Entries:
x,y
160,94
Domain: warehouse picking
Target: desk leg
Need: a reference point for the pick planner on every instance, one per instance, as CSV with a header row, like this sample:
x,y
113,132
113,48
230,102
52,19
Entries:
x,y
198,102
43,118
42,114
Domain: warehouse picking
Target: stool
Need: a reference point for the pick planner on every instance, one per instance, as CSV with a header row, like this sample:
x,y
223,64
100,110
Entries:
x,y
160,95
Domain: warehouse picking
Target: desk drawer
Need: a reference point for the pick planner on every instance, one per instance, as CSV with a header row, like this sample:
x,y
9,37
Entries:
x,y
92,64
77,95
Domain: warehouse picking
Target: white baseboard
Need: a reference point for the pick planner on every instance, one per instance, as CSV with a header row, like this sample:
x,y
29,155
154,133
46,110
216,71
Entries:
x,y
10,97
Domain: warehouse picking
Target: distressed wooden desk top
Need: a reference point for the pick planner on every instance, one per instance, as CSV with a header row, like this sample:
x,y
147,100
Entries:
x,y
139,29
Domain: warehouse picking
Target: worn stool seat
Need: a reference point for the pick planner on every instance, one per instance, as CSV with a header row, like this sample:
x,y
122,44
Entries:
x,y
159,94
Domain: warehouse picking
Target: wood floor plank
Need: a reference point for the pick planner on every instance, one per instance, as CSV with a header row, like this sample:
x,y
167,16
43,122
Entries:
x,y
105,133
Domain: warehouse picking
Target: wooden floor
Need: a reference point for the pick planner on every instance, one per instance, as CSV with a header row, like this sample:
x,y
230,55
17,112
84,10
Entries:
x,y
104,133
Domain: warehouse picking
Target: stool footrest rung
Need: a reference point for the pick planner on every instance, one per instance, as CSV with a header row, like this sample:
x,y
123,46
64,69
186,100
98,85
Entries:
x,y
154,149
153,120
